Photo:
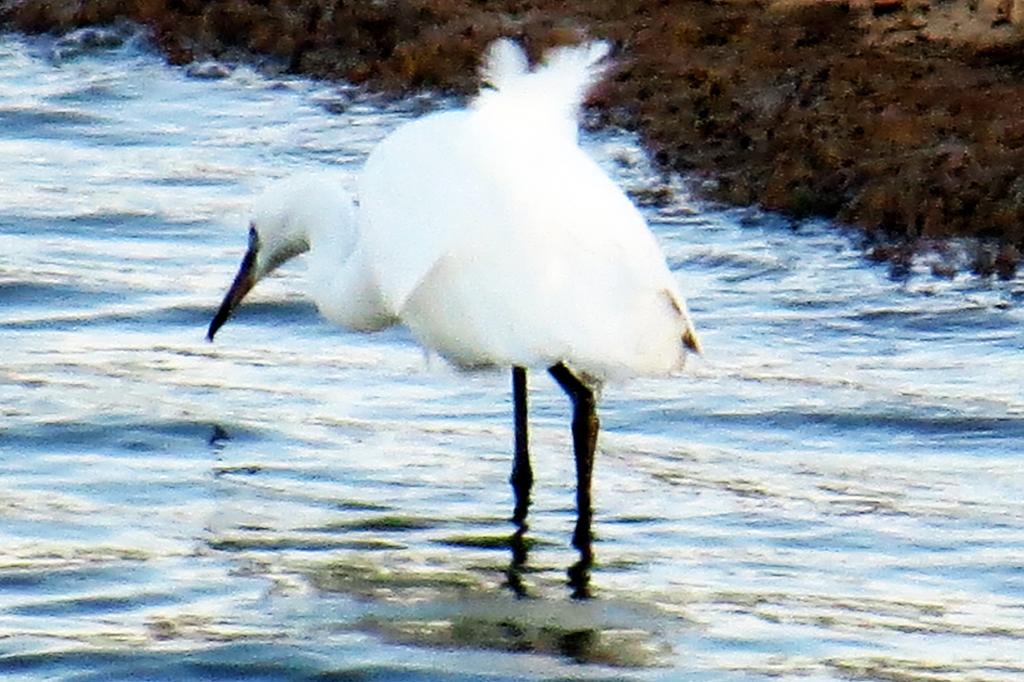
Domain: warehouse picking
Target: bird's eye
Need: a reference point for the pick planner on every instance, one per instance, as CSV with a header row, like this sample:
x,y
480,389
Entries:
x,y
254,238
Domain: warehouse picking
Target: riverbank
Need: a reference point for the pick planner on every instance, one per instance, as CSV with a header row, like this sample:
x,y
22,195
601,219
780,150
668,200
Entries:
x,y
904,118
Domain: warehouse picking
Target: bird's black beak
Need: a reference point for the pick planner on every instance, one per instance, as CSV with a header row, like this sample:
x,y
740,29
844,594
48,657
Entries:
x,y
244,282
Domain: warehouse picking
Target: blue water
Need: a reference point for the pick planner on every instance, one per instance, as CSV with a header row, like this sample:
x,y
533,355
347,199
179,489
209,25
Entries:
x,y
834,492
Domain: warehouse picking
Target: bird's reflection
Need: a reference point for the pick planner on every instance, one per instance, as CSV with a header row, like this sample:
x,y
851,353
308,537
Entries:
x,y
578,573
514,574
218,437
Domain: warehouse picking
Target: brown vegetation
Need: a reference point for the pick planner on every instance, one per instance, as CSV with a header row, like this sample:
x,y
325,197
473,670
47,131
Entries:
x,y
904,117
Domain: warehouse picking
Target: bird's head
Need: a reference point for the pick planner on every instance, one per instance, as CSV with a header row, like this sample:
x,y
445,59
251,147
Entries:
x,y
278,231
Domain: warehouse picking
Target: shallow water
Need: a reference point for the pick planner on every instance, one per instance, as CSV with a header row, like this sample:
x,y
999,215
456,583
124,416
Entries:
x,y
833,492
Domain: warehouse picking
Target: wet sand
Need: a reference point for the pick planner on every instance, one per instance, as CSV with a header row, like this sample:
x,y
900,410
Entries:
x,y
903,118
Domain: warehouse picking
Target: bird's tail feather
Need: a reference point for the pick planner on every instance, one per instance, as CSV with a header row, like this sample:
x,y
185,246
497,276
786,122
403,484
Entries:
x,y
504,63
570,72
559,84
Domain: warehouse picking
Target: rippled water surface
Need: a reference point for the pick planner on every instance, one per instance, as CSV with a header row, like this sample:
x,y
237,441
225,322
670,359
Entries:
x,y
833,492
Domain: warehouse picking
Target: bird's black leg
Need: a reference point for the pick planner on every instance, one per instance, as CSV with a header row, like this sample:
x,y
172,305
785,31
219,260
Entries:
x,y
522,473
584,441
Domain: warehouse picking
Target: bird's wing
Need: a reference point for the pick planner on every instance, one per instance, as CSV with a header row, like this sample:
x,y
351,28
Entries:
x,y
590,284
425,188
499,241
415,202
498,246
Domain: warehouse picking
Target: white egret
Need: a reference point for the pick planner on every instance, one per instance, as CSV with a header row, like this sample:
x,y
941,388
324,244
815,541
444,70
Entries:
x,y
498,241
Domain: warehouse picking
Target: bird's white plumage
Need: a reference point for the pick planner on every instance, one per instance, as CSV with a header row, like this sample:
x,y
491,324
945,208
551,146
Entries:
x,y
499,241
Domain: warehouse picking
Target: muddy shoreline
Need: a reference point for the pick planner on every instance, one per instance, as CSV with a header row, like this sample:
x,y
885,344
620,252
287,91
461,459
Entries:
x,y
903,118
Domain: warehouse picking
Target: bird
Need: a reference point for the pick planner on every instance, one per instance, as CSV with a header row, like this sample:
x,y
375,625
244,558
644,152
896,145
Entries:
x,y
497,241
